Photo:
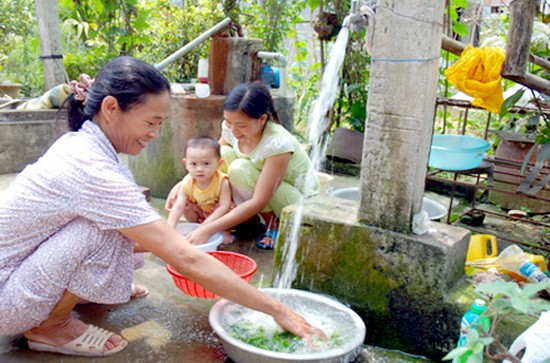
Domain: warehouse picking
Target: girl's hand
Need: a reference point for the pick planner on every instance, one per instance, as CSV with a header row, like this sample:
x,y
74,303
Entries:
x,y
198,236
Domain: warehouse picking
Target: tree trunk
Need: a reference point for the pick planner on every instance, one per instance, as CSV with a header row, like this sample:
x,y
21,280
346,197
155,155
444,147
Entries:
x,y
522,15
52,58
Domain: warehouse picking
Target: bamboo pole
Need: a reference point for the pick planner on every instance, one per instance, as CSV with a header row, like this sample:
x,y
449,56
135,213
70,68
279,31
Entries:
x,y
541,62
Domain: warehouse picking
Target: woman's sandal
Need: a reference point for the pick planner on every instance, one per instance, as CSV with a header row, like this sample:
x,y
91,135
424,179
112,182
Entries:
x,y
89,344
270,233
138,291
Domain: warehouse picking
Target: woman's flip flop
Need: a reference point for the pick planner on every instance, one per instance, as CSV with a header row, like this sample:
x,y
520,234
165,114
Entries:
x,y
270,233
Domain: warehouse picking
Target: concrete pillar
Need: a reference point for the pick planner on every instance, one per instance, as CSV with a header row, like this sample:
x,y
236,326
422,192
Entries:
x,y
233,61
402,92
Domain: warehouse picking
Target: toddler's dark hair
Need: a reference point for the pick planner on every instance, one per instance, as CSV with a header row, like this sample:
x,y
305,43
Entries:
x,y
204,142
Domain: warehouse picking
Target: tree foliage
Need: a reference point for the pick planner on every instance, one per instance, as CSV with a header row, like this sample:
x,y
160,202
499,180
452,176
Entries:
x,y
19,44
94,31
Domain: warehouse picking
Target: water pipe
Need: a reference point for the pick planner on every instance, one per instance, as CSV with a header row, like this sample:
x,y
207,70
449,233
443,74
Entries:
x,y
282,67
353,15
192,44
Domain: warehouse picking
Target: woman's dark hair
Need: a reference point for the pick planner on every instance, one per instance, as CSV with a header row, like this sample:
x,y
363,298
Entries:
x,y
127,79
204,143
253,99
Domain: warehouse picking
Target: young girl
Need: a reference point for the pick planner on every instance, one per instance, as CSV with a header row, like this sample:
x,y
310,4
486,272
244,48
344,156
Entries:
x,y
204,194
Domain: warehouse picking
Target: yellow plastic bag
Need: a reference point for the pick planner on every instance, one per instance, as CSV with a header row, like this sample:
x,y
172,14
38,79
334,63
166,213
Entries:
x,y
477,73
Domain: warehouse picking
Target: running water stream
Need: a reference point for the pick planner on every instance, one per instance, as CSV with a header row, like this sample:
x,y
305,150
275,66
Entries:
x,y
318,123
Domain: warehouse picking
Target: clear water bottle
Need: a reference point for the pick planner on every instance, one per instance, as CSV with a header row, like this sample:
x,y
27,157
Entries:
x,y
514,259
535,340
473,318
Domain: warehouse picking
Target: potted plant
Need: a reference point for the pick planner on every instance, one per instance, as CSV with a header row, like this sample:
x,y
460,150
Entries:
x,y
9,89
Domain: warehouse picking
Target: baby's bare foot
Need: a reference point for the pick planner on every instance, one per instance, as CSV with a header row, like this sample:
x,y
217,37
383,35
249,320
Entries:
x,y
228,238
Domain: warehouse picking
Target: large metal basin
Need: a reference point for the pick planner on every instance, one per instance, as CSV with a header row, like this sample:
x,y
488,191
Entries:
x,y
311,306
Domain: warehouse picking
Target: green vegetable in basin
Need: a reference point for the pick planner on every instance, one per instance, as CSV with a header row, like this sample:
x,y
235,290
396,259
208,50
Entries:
x,y
276,341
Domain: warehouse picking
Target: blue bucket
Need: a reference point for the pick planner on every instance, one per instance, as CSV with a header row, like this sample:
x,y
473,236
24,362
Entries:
x,y
457,152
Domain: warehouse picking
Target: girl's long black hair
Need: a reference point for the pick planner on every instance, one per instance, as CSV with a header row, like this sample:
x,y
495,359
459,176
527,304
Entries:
x,y
253,99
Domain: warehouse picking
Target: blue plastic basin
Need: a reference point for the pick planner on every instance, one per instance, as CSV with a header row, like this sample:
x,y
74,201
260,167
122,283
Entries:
x,y
457,152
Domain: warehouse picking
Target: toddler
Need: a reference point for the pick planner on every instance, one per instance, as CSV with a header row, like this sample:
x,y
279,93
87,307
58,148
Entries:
x,y
205,194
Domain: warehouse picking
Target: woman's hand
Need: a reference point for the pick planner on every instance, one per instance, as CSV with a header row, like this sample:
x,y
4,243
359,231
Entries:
x,y
296,324
172,196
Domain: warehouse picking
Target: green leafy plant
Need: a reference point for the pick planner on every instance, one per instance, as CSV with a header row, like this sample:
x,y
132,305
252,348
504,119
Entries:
x,y
452,11
173,27
505,299
275,341
350,108
20,46
274,21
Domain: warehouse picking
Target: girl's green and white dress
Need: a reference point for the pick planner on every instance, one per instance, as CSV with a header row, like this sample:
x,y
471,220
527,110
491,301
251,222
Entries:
x,y
244,169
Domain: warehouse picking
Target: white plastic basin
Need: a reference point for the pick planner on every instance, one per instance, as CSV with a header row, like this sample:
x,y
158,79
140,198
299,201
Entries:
x,y
184,228
330,313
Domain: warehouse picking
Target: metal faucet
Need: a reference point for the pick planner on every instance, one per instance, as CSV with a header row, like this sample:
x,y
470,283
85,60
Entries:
x,y
361,17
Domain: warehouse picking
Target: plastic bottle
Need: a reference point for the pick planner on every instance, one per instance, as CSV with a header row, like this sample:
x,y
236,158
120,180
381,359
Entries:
x,y
202,71
535,340
514,259
472,318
